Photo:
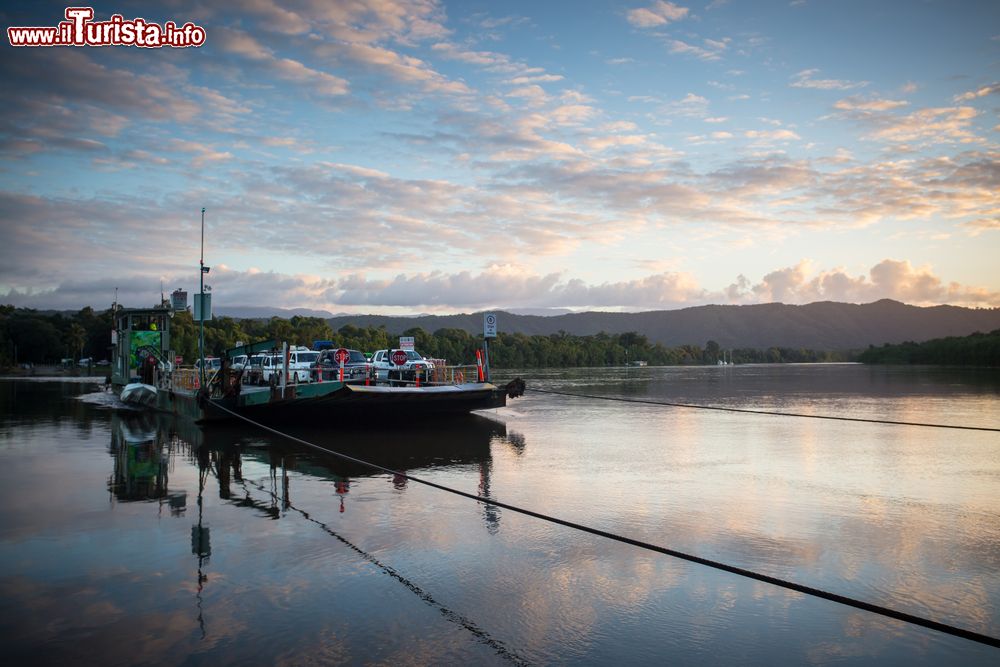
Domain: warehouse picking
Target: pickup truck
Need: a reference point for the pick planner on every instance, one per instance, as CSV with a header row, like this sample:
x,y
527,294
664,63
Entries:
x,y
387,371
300,363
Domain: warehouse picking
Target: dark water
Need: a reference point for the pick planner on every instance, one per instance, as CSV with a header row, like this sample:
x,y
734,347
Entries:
x,y
126,539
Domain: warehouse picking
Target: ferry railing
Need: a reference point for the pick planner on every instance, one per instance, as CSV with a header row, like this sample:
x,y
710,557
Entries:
x,y
439,376
185,379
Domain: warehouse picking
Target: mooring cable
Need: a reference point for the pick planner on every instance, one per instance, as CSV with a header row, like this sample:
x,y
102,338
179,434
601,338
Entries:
x,y
776,413
783,583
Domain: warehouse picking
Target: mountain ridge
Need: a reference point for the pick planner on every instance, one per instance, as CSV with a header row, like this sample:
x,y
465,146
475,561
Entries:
x,y
822,325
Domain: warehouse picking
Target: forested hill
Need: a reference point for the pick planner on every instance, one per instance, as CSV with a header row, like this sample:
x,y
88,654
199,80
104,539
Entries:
x,y
824,325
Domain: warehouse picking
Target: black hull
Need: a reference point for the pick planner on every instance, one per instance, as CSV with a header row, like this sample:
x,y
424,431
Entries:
x,y
351,403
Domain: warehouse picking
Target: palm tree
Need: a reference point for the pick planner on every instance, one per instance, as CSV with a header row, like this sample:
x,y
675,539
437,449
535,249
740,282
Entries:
x,y
77,337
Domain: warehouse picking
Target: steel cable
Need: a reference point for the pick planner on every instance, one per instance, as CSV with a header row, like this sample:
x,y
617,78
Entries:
x,y
776,413
790,585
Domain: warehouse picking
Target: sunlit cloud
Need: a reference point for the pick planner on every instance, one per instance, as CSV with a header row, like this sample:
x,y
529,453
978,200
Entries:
x,y
710,50
658,14
476,141
992,89
511,286
889,279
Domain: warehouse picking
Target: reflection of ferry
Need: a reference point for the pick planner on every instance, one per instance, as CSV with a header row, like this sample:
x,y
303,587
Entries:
x,y
142,444
140,462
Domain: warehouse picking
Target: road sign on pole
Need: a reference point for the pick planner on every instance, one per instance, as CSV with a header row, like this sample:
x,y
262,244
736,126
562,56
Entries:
x,y
489,325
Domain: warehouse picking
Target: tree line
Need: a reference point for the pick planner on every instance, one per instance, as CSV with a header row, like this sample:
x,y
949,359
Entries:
x,y
28,336
977,349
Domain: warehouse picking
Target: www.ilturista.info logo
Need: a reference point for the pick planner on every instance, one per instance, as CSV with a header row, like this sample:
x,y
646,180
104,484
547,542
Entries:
x,y
80,30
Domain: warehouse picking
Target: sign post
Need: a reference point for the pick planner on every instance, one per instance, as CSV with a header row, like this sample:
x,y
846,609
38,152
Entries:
x,y
398,358
341,356
489,331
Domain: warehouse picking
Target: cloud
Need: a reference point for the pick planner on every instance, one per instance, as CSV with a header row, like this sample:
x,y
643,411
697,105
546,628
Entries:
x,y
924,126
511,286
992,89
690,105
658,14
315,81
889,279
771,135
940,125
804,80
860,105
712,49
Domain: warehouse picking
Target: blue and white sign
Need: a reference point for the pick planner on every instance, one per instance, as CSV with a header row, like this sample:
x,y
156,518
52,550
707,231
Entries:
x,y
490,325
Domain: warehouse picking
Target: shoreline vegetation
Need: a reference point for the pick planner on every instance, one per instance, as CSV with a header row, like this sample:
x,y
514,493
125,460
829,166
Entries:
x,y
978,349
28,337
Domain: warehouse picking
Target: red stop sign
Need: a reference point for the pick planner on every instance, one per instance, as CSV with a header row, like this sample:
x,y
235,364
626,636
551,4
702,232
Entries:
x,y
398,357
341,356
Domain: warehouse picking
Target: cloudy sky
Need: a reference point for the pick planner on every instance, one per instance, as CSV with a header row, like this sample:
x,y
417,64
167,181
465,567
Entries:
x,y
387,156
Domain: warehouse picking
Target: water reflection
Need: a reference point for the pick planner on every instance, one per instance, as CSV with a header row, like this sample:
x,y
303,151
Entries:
x,y
143,448
106,555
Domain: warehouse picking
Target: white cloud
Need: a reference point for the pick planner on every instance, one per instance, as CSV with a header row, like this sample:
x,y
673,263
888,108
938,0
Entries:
x,y
804,80
942,125
772,135
889,279
712,49
992,89
658,14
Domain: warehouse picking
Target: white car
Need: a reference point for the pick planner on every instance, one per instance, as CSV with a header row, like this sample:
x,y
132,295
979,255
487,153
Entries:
x,y
212,364
299,366
382,363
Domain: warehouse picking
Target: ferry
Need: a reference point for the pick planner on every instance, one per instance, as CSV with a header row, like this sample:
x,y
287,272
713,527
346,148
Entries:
x,y
146,373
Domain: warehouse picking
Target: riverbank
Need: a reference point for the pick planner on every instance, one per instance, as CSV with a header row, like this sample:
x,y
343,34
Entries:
x,y
54,370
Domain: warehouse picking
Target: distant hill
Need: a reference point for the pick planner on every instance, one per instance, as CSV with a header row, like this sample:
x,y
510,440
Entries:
x,y
824,325
266,312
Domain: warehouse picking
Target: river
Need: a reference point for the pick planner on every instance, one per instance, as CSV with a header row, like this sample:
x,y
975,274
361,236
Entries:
x,y
129,539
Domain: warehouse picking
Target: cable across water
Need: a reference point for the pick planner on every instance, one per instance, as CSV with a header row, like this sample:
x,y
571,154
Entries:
x,y
749,411
790,585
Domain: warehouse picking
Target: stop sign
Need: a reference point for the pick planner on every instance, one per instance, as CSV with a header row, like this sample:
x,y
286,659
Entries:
x,y
398,357
341,356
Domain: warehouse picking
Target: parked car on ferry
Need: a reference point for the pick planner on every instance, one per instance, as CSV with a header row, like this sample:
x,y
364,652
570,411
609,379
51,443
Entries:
x,y
386,370
357,366
252,372
211,364
300,363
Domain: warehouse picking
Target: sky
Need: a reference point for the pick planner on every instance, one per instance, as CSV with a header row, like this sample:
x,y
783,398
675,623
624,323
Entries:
x,y
385,156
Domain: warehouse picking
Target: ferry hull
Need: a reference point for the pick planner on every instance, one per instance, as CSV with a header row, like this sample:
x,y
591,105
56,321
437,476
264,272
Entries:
x,y
329,402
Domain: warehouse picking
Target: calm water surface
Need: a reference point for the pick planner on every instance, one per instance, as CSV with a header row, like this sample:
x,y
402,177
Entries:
x,y
129,539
